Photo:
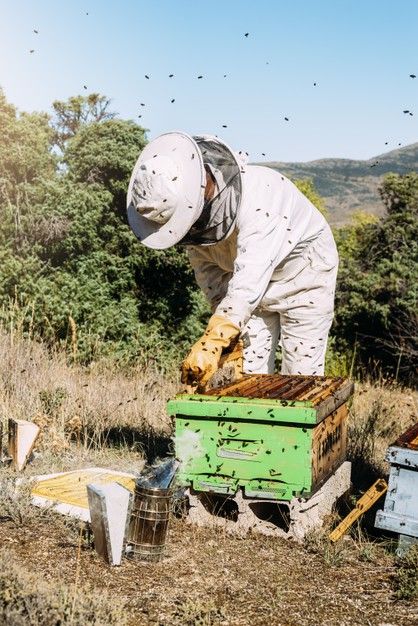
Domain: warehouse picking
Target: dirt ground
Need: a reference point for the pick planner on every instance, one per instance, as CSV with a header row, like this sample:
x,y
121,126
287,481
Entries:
x,y
210,578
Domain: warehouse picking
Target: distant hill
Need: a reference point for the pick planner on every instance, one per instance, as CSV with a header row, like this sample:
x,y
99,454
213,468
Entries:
x,y
347,185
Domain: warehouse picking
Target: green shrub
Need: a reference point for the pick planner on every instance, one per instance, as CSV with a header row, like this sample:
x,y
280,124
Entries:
x,y
73,273
376,300
71,270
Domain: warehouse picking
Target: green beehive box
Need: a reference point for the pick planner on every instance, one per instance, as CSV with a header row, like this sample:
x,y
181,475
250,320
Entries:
x,y
274,436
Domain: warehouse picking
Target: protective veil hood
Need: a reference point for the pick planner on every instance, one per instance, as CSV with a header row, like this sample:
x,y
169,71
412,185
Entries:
x,y
218,215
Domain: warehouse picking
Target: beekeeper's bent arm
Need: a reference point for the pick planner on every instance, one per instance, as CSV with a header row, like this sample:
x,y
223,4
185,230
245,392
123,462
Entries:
x,y
271,227
211,278
253,268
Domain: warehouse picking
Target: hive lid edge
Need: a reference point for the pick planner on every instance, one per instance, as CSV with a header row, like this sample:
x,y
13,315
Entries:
x,y
181,397
335,400
408,439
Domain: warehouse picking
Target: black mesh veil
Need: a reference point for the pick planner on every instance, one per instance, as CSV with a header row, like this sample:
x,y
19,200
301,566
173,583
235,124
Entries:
x,y
218,215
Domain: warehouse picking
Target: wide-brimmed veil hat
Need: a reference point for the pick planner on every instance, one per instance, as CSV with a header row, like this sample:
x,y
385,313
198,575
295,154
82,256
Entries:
x,y
166,191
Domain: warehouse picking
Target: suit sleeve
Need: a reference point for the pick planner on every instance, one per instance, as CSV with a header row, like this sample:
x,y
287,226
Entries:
x,y
264,241
212,280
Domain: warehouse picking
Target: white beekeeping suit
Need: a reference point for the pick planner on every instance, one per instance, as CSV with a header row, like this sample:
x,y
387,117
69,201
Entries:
x,y
262,253
274,276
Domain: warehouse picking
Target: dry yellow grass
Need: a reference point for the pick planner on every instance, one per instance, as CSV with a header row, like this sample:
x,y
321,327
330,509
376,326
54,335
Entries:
x,y
379,413
98,405
27,601
90,404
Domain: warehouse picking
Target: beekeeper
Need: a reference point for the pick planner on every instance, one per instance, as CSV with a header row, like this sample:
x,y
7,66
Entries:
x,y
262,253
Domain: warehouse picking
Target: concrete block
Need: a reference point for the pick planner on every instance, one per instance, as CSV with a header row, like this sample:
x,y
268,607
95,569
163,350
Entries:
x,y
289,519
22,438
109,513
405,543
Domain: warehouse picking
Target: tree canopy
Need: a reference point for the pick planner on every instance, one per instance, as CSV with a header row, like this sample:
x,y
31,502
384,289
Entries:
x,y
376,303
70,115
70,266
66,249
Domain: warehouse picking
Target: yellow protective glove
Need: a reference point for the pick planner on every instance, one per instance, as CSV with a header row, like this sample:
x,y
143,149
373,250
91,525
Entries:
x,y
203,359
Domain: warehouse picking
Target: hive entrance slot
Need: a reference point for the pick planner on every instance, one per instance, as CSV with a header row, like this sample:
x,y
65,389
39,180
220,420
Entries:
x,y
220,506
272,512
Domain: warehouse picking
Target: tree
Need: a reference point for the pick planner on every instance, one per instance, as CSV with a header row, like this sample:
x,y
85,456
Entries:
x,y
105,153
74,255
72,114
377,288
25,160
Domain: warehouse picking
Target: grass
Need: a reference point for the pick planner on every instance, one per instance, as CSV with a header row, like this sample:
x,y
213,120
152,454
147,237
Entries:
x,y
113,418
200,612
15,501
332,554
406,578
89,405
27,601
379,413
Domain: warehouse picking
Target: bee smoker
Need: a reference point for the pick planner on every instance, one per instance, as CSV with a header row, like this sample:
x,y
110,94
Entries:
x,y
151,510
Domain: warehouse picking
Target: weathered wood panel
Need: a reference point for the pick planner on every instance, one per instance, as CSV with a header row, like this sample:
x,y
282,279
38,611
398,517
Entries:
x,y
329,444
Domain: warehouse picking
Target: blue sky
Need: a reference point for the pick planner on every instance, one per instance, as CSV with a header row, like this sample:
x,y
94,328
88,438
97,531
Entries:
x,y
359,52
